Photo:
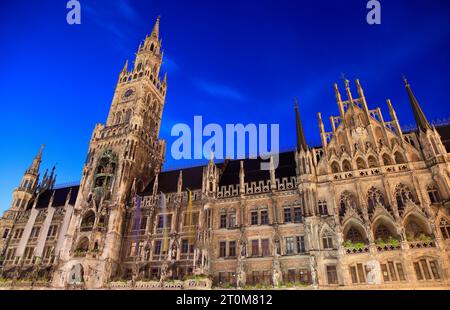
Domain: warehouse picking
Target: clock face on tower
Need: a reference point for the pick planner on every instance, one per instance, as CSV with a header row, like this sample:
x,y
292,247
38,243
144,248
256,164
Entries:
x,y
128,94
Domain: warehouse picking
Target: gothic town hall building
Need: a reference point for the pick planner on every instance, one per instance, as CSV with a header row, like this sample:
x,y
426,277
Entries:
x,y
369,208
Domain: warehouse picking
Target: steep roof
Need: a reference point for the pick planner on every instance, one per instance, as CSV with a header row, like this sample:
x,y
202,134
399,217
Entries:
x,y
192,177
59,199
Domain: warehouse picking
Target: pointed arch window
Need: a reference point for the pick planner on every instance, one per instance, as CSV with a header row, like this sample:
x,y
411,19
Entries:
x,y
354,235
361,164
335,167
375,197
373,163
399,159
402,196
387,160
346,165
382,232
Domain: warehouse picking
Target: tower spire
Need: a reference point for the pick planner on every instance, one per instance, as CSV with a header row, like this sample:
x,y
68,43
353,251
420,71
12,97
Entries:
x,y
301,141
155,31
421,120
34,168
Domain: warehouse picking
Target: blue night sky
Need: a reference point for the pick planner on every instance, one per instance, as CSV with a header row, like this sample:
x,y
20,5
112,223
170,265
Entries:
x,y
230,61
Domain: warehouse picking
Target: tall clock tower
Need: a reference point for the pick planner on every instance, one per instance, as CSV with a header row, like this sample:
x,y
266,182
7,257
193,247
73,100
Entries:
x,y
123,155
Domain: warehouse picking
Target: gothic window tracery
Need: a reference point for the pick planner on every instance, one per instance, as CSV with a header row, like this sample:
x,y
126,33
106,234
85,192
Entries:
x,y
382,232
375,197
347,201
105,171
403,195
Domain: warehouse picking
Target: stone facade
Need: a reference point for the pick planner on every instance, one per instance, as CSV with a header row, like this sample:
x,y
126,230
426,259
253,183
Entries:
x,y
369,208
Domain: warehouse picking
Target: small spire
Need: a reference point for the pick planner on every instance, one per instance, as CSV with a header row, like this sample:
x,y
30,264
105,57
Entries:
x,y
301,141
421,120
125,67
391,109
349,93
321,125
155,31
360,89
337,93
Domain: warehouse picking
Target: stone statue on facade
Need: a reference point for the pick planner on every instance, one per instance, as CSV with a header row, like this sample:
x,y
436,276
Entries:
x,y
373,272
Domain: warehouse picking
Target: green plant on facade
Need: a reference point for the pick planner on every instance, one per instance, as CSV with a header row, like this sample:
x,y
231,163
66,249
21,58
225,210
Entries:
x,y
354,245
390,242
79,253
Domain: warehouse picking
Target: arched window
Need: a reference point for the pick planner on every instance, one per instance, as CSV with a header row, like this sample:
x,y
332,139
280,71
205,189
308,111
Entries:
x,y
83,245
433,194
382,232
387,161
372,162
88,221
327,240
399,159
360,163
346,165
152,47
354,235
445,228
414,229
335,167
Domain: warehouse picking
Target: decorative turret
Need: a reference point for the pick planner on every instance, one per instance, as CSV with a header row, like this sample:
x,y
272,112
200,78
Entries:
x,y
210,177
34,168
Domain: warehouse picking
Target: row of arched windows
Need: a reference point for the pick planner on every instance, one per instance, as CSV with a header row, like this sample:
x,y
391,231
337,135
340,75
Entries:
x,y
372,162
122,117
